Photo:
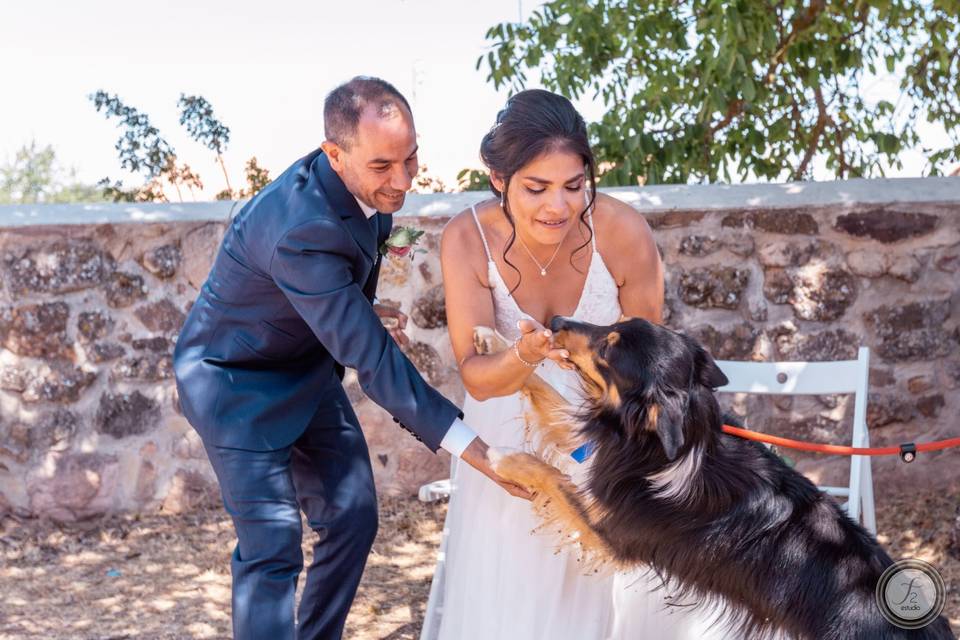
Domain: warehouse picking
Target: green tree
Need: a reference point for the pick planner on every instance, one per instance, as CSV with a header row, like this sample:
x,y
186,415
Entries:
x,y
473,180
257,178
143,150
196,114
35,176
703,90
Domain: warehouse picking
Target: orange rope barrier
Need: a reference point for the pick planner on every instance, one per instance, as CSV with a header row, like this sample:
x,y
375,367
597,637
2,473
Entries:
x,y
907,451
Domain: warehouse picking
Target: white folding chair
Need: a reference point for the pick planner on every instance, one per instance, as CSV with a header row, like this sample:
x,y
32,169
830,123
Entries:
x,y
819,378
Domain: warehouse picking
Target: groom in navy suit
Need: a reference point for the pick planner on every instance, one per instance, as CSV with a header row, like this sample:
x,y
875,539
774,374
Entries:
x,y
259,363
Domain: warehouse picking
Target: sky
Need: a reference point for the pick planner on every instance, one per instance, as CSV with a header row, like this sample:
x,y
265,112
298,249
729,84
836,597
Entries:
x,y
265,67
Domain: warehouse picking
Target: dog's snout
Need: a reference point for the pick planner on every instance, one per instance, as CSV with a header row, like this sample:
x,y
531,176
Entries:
x,y
557,323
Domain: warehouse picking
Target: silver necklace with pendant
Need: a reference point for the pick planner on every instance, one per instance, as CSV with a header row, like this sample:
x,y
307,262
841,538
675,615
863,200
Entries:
x,y
543,267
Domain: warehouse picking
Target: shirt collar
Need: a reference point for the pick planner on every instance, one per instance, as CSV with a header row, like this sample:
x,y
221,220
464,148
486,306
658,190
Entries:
x,y
367,210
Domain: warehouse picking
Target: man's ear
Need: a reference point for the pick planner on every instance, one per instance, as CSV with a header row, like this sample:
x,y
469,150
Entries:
x,y
334,153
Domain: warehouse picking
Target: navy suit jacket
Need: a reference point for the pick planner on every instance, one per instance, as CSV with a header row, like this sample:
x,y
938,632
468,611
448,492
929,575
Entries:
x,y
286,306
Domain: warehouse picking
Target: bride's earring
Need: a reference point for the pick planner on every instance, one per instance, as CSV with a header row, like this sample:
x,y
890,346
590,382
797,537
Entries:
x,y
503,201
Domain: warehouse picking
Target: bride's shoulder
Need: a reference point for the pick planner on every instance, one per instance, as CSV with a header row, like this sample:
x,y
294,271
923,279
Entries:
x,y
618,222
461,236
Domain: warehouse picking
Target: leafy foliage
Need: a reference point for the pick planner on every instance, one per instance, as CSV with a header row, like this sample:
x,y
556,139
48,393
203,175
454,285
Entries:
x,y
473,180
257,178
196,114
703,90
34,176
142,149
426,182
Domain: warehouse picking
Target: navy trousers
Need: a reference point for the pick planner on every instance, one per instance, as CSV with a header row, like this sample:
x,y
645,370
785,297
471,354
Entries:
x,y
325,473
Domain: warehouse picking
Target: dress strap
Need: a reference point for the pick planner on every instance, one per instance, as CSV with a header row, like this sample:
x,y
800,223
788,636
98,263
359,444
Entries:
x,y
486,247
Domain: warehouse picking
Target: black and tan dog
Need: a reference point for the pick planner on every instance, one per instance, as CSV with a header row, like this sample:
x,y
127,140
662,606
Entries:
x,y
721,519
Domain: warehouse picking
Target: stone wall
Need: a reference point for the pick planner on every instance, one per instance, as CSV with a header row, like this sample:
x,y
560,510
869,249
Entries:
x,y
93,298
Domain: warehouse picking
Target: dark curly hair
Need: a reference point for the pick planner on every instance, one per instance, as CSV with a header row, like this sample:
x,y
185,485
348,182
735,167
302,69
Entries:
x,y
534,122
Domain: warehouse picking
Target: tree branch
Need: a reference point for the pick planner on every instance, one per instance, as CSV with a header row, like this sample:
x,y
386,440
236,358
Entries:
x,y
822,119
799,24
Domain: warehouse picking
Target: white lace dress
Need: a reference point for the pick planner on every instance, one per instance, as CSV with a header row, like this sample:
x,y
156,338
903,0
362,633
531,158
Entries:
x,y
497,579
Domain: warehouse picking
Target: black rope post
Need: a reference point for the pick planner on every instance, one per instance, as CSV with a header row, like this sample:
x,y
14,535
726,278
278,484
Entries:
x,y
908,452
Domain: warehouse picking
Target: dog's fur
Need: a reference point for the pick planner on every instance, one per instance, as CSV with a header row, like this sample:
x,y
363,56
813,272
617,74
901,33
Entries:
x,y
721,520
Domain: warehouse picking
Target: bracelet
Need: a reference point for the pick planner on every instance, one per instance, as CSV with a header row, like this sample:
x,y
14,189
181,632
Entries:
x,y
516,352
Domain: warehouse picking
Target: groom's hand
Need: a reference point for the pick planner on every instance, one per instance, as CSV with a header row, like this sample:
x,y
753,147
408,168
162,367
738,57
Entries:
x,y
395,321
476,456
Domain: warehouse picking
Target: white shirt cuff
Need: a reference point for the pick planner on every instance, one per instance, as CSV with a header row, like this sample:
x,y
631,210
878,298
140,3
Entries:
x,y
458,437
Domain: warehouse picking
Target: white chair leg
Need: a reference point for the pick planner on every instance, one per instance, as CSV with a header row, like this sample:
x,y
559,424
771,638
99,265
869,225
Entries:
x,y
856,487
869,509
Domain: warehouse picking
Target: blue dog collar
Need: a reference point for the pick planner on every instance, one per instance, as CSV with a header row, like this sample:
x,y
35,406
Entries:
x,y
581,453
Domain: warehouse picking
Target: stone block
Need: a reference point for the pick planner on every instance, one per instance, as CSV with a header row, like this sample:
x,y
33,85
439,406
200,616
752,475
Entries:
x,y
888,408
886,225
82,486
912,331
59,267
699,245
157,344
777,286
123,289
189,446
190,490
737,343
822,346
429,311
428,362
126,414
929,406
93,325
144,367
906,268
786,253
784,221
713,287
823,295
101,352
742,245
162,261
395,271
37,330
49,382
161,316
674,219
199,248
868,264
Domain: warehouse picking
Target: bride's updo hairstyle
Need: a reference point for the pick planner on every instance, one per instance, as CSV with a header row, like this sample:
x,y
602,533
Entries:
x,y
532,123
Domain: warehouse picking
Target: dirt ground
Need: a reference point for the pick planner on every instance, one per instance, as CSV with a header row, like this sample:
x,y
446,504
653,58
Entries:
x,y
168,577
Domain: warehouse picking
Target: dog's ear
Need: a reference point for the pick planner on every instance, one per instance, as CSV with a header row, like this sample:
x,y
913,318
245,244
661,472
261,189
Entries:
x,y
660,414
708,373
667,422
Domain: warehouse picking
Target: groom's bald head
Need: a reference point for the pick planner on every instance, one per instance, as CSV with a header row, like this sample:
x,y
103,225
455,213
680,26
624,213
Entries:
x,y
345,105
371,141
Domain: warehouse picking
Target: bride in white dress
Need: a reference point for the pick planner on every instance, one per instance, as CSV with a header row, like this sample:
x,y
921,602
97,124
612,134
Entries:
x,y
545,248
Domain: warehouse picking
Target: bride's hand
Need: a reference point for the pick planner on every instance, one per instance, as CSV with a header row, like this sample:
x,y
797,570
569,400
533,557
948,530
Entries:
x,y
536,343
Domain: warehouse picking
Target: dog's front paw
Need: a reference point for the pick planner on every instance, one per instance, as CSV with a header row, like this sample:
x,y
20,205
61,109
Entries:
x,y
496,455
518,467
487,341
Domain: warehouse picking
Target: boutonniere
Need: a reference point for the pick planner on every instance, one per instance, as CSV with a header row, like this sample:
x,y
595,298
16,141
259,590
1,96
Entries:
x,y
402,242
